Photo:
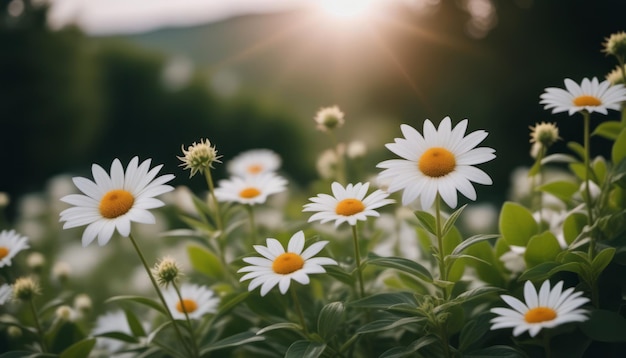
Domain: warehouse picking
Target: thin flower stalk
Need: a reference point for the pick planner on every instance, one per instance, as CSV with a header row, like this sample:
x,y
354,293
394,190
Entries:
x,y
194,345
357,259
158,291
42,339
443,270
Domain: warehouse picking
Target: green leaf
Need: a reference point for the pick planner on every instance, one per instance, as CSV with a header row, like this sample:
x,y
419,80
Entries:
x,y
577,148
573,226
605,326
282,325
330,318
558,158
517,224
305,349
427,221
609,129
79,349
119,336
602,260
471,241
452,219
407,266
410,350
546,269
141,300
134,324
387,324
599,169
385,300
541,248
205,262
340,274
496,352
232,341
474,331
618,152
228,302
562,189
578,169
477,292
63,335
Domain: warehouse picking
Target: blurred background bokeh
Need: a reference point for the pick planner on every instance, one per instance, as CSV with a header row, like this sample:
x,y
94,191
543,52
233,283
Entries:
x,y
72,95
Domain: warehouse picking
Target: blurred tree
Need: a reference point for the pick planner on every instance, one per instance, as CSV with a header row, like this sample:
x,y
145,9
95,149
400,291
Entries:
x,y
50,99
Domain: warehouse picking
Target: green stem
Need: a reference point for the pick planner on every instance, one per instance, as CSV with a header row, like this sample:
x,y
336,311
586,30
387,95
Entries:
x,y
546,344
158,290
299,311
443,272
209,181
341,167
537,196
253,234
44,346
220,226
193,339
357,259
592,242
620,61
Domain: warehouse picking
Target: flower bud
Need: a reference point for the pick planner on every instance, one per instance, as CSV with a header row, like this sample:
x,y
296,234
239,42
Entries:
x,y
329,118
25,288
199,157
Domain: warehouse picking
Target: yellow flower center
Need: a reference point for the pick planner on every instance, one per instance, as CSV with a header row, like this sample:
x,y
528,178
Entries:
x,y
3,252
287,263
186,305
587,101
348,207
540,314
437,162
116,203
255,169
249,193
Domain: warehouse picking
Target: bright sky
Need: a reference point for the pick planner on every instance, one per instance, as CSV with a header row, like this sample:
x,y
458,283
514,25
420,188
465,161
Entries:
x,y
125,16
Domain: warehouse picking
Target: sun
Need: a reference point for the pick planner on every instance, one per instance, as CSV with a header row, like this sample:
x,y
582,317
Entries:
x,y
347,8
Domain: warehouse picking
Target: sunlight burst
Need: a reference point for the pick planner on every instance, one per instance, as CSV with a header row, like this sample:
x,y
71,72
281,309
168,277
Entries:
x,y
347,8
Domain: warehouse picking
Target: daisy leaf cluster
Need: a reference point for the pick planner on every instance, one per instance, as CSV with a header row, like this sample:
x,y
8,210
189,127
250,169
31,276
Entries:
x,y
395,258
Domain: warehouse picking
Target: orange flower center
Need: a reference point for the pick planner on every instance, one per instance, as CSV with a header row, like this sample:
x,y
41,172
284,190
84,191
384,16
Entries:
x,y
255,169
587,101
186,305
540,314
249,193
3,252
287,263
437,162
116,203
348,207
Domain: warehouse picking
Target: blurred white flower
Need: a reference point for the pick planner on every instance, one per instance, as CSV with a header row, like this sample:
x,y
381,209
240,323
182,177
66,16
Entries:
x,y
254,162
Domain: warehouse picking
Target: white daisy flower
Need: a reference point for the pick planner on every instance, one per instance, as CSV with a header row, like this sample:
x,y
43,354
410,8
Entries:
x,y
279,267
6,292
347,204
196,301
113,202
547,309
441,162
250,189
11,243
254,162
590,96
